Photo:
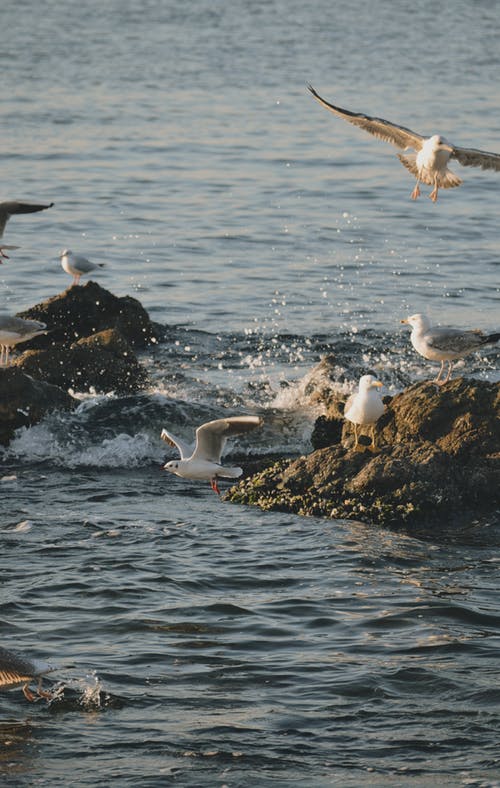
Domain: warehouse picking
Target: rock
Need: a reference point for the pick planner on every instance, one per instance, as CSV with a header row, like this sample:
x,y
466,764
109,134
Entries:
x,y
104,361
439,463
89,309
24,401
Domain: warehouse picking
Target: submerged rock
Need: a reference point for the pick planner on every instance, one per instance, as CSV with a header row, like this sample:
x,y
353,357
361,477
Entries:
x,y
24,401
439,461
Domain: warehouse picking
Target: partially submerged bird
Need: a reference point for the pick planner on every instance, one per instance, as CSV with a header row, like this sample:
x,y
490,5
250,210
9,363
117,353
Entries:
x,y
11,208
76,265
429,162
439,343
13,331
20,670
364,408
203,460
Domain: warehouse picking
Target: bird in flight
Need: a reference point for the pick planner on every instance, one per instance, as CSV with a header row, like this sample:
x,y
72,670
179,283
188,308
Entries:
x,y
14,207
203,460
429,163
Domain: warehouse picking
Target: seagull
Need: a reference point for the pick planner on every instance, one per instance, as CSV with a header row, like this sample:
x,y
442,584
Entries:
x,y
442,344
365,407
429,163
8,209
16,669
13,331
203,460
76,265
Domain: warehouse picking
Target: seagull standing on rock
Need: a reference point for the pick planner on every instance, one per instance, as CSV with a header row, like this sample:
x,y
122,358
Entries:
x,y
443,344
364,408
14,207
429,163
203,460
14,330
76,265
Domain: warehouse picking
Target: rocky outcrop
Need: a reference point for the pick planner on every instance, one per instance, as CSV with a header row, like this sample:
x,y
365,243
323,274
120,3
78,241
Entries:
x,y
85,310
104,362
89,345
24,401
439,461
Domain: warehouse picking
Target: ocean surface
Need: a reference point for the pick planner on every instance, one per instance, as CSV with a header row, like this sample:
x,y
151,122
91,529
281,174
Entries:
x,y
199,643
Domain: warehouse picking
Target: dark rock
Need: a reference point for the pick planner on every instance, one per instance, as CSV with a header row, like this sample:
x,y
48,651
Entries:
x,y
89,309
439,463
24,401
104,361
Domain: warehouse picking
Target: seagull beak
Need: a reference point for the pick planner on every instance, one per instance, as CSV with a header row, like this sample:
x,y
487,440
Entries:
x,y
445,146
377,384
404,320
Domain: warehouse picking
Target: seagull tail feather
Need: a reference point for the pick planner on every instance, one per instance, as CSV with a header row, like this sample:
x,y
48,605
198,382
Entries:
x,y
230,473
491,338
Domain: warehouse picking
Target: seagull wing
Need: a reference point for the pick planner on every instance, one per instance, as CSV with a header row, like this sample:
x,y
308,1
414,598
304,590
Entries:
x,y
211,437
469,157
185,449
399,136
11,207
454,340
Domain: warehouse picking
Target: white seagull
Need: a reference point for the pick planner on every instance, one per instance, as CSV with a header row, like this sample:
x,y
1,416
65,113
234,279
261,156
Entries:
x,y
12,207
76,265
443,344
364,408
203,460
14,330
429,163
19,669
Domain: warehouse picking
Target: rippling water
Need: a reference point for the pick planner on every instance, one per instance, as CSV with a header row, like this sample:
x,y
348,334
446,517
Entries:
x,y
200,643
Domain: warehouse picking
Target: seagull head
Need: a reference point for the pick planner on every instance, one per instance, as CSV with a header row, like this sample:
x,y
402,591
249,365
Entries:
x,y
65,252
440,143
418,321
173,466
367,382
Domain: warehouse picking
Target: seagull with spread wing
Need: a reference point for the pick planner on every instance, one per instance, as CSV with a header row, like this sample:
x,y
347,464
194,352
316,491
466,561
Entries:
x,y
12,208
20,670
429,163
203,460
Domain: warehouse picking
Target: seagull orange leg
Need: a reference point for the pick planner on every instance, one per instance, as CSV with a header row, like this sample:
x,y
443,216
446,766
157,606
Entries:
x,y
416,191
28,693
214,486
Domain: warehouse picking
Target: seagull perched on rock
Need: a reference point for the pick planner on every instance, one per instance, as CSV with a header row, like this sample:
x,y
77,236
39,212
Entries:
x,y
76,265
443,344
364,408
203,460
11,208
429,162
19,669
13,331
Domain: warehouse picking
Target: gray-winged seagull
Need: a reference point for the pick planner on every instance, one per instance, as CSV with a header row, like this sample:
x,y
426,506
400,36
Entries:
x,y
14,330
76,265
443,344
203,460
429,163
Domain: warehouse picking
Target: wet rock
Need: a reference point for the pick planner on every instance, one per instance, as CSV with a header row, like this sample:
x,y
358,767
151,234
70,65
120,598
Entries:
x,y
89,309
104,361
24,401
439,463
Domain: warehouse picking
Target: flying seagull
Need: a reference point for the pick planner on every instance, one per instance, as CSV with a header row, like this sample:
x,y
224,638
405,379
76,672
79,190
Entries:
x,y
443,344
76,265
19,669
8,209
429,163
364,408
14,330
203,460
